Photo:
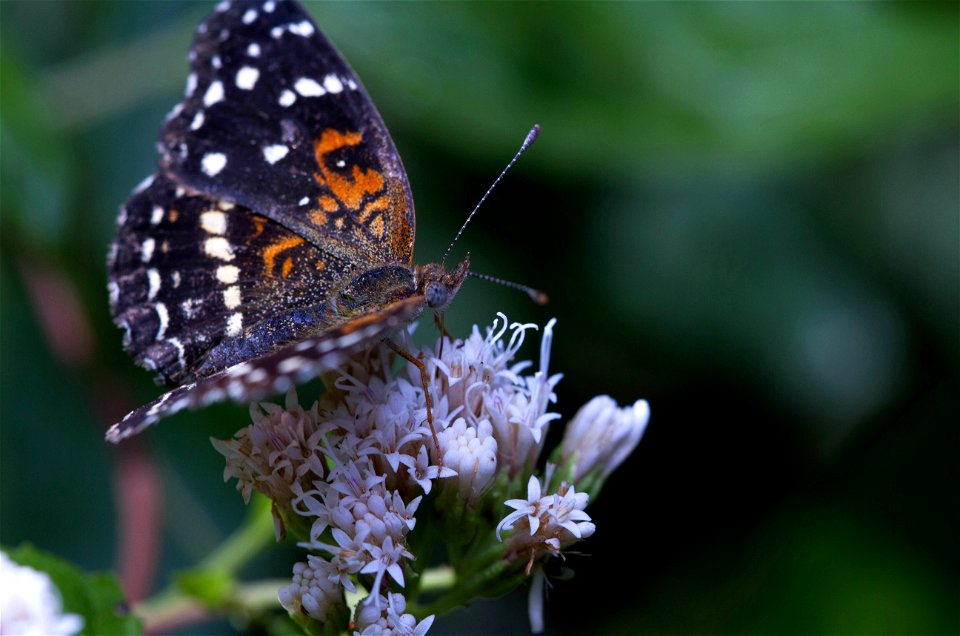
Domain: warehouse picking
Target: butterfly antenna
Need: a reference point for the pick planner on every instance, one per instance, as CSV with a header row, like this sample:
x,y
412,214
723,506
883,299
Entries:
x,y
535,295
527,142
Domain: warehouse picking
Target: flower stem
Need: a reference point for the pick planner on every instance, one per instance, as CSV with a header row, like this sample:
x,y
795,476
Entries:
x,y
178,604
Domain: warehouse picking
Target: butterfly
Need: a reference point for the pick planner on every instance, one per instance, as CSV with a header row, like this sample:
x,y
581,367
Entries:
x,y
276,237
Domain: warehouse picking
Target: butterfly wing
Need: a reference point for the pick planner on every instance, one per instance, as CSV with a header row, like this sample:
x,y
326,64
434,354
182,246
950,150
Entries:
x,y
274,372
275,120
278,182
186,271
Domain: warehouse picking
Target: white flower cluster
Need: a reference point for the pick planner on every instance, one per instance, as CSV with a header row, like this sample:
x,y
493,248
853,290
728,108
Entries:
x,y
545,524
357,465
30,603
385,615
501,415
273,455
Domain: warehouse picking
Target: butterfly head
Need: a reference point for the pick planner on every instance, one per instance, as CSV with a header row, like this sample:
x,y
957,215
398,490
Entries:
x,y
439,286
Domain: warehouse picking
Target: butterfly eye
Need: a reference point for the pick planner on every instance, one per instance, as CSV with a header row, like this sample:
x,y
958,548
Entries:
x,y
436,294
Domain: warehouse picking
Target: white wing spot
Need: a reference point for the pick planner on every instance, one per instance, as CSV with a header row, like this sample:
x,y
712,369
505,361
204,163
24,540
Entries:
x,y
114,292
174,112
276,32
213,222
304,200
257,376
228,274
216,62
249,16
143,185
303,29
175,278
218,247
303,346
231,297
332,83
308,87
253,50
212,395
247,78
239,369
275,153
156,215
235,324
236,390
146,250
191,84
223,6
291,364
212,163
153,279
287,98
341,164
214,94
197,121
164,318
350,339
191,307
269,6
351,84
179,347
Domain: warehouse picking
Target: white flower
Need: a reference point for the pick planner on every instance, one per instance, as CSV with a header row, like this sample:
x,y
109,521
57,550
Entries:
x,y
314,591
545,525
482,383
30,603
274,454
384,616
384,559
601,435
423,472
471,451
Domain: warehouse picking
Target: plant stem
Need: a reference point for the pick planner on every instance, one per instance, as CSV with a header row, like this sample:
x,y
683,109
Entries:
x,y
171,607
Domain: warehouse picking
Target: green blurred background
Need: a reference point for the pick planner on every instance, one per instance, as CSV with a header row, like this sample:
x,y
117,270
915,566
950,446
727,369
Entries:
x,y
746,213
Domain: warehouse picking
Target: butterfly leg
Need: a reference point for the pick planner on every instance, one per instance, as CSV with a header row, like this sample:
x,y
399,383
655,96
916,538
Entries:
x,y
444,335
426,392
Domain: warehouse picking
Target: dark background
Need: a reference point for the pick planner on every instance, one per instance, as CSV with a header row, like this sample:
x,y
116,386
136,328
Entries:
x,y
746,213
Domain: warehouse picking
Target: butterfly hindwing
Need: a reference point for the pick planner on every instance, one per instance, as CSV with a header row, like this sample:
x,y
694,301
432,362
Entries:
x,y
272,373
187,271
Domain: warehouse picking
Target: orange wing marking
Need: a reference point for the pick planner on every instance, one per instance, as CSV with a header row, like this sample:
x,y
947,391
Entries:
x,y
287,267
349,190
272,250
378,204
259,223
319,218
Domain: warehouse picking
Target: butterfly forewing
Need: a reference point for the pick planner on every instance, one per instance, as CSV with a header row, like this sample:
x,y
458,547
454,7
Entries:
x,y
276,121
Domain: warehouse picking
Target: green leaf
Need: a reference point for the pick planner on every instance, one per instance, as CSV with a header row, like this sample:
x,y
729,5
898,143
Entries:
x,y
212,587
96,597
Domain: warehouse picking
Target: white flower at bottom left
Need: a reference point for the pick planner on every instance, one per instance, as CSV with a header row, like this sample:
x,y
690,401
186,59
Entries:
x,y
30,603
